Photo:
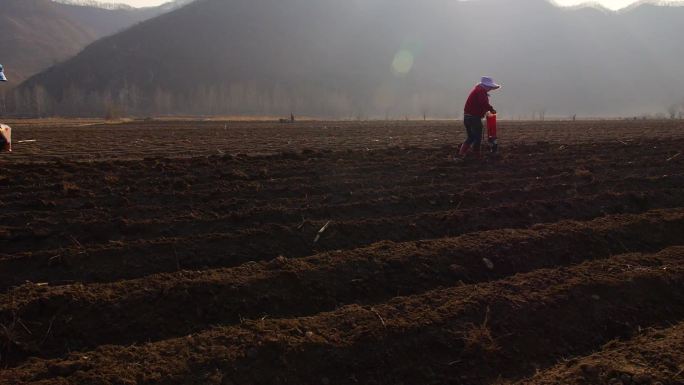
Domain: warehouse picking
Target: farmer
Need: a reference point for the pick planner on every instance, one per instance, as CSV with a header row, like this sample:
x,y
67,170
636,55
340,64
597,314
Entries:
x,y
476,108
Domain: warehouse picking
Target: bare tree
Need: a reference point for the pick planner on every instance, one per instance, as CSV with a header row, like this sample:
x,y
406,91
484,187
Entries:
x,y
40,101
672,110
3,103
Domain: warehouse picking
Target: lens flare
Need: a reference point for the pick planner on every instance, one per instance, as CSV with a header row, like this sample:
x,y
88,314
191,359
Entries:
x,y
402,63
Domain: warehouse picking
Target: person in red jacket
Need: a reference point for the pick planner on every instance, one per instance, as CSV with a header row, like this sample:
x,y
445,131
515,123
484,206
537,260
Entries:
x,y
476,108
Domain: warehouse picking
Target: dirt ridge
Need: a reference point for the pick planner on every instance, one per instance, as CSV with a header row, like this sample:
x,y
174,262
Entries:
x,y
656,356
81,316
356,252
455,331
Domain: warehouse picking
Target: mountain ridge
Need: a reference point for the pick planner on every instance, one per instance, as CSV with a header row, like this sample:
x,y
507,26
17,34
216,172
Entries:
x,y
636,4
35,34
337,59
95,4
168,5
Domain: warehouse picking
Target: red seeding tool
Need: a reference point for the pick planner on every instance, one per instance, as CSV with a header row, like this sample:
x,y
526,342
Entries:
x,y
491,133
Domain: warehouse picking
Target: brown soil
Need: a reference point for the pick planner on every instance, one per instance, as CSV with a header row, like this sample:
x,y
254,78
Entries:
x,y
336,259
656,357
514,325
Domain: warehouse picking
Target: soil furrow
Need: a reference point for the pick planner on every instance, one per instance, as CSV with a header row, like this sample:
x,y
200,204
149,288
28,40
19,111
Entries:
x,y
270,241
655,357
318,179
80,317
469,334
208,252
61,228
207,212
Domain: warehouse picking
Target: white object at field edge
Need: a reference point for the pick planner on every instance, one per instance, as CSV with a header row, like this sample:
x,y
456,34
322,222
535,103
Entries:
x,y
6,132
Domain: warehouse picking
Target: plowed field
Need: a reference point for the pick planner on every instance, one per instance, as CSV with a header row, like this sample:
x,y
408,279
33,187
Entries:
x,y
188,252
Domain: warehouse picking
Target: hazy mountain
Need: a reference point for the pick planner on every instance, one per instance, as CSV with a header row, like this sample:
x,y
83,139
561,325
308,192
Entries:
x,y
94,3
167,6
342,58
35,34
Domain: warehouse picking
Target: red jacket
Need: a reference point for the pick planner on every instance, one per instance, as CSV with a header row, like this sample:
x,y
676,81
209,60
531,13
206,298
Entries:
x,y
478,102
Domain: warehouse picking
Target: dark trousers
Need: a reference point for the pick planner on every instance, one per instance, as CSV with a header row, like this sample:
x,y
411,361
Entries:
x,y
474,128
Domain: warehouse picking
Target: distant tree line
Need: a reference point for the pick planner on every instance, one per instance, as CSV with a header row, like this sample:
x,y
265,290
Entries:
x,y
234,99
676,111
252,99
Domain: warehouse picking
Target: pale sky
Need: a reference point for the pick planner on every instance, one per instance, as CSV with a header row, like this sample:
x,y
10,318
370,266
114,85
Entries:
x,y
612,4
139,3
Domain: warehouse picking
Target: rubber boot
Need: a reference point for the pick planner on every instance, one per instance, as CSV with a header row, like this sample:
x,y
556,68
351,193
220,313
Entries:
x,y
464,150
493,145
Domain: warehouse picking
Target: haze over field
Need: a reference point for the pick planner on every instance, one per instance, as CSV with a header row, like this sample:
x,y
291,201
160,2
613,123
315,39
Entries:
x,y
373,58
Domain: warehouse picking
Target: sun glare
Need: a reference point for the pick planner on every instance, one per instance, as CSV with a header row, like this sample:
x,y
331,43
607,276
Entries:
x,y
402,63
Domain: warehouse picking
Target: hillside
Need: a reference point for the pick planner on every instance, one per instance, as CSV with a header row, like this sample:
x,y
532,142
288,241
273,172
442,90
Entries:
x,y
35,34
382,58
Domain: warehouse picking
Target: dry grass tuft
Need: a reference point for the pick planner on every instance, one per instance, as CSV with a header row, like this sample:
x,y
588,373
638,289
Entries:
x,y
69,187
479,338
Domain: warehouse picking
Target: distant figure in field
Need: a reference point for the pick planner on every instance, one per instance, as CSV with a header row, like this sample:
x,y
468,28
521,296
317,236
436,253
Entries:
x,y
476,108
291,120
